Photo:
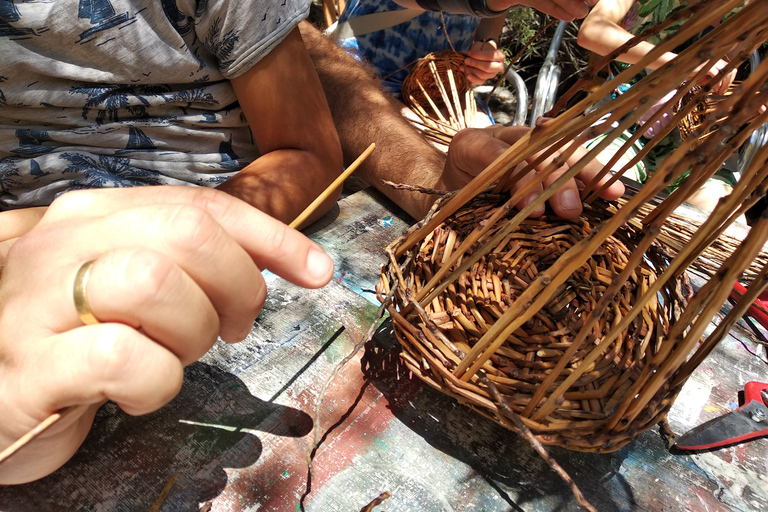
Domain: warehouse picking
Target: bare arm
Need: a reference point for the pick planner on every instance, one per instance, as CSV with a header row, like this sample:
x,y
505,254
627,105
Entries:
x,y
567,10
602,33
364,112
283,101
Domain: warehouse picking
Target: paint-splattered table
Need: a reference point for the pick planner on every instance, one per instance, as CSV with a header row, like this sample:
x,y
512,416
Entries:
x,y
237,436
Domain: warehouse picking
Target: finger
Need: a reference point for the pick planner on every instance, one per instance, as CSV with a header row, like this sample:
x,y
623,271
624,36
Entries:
x,y
198,244
187,235
590,172
270,243
530,196
566,10
148,291
101,362
478,77
472,150
489,67
565,201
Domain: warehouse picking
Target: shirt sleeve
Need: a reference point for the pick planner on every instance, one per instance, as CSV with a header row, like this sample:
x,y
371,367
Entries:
x,y
241,32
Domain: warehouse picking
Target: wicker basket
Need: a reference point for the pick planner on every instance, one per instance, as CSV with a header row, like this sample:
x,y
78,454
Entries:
x,y
437,337
584,330
434,78
438,92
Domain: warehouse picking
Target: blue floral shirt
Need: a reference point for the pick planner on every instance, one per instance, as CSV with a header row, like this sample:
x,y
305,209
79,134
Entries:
x,y
392,49
113,93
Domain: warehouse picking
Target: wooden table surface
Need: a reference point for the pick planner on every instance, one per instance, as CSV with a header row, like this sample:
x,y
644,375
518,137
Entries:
x,y
237,435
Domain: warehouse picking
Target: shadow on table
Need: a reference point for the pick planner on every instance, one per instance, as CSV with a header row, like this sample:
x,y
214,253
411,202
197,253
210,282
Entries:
x,y
126,461
502,458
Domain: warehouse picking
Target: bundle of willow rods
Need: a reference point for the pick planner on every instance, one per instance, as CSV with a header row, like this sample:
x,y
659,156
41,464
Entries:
x,y
581,329
437,90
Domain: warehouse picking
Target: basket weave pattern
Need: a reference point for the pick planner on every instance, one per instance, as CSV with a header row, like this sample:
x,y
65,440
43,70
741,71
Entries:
x,y
437,337
424,75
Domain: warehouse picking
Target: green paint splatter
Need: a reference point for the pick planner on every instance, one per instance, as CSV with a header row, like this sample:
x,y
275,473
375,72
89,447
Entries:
x,y
284,474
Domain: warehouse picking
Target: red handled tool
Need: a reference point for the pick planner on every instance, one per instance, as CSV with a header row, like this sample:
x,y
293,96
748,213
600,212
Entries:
x,y
758,310
747,422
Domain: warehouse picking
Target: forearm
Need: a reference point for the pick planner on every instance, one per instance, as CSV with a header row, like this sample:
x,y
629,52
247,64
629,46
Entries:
x,y
603,37
283,183
283,100
363,112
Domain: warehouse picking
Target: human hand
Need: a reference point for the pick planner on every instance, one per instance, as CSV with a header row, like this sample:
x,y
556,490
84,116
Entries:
x,y
472,150
174,268
566,10
484,61
725,81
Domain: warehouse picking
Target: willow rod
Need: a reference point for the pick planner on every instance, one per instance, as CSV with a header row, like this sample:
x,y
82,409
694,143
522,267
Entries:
x,y
333,186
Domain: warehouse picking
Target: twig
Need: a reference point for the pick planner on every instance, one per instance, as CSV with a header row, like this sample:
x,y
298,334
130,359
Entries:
x,y
378,501
415,188
526,433
39,429
163,494
327,192
321,395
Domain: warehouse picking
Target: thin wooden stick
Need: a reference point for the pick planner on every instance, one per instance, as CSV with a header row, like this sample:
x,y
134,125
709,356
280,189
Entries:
x,y
53,418
163,494
39,429
336,183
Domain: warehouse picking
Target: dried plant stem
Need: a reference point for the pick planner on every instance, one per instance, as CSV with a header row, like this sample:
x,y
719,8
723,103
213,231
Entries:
x,y
505,413
376,501
163,494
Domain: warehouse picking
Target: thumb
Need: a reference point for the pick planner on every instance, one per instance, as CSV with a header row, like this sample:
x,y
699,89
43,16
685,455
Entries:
x,y
472,150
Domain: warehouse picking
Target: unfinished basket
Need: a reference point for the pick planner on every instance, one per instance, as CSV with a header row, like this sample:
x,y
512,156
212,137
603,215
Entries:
x,y
585,330
437,90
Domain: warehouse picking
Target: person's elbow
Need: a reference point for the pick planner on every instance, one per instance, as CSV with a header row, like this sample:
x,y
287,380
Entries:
x,y
587,37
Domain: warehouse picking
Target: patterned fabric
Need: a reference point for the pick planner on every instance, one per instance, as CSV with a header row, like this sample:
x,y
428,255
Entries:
x,y
114,93
392,49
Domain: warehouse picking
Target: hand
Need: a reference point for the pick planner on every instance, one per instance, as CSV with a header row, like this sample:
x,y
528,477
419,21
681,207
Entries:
x,y
472,150
484,61
566,10
724,84
174,268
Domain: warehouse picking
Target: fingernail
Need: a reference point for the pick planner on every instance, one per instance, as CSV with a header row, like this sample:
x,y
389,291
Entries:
x,y
319,264
570,200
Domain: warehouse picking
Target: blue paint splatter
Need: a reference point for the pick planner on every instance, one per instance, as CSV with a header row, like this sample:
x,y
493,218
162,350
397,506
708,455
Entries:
x,y
386,222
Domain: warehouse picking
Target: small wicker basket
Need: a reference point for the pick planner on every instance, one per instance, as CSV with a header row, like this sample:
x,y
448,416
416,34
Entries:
x,y
434,78
438,92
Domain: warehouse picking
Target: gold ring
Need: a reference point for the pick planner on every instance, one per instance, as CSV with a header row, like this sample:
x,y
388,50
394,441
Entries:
x,y
78,293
